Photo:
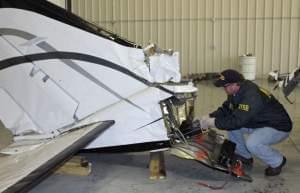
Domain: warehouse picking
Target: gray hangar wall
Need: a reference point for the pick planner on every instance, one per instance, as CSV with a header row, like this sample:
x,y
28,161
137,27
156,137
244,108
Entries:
x,y
209,34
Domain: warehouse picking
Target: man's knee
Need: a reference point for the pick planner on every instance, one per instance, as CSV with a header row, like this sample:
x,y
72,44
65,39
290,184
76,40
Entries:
x,y
252,146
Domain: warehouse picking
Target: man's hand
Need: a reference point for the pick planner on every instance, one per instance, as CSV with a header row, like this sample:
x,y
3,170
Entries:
x,y
205,117
202,117
206,123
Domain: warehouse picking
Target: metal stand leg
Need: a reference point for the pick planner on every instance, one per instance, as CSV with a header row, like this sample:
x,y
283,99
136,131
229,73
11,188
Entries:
x,y
157,165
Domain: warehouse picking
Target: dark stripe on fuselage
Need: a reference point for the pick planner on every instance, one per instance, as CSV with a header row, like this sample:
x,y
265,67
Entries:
x,y
48,48
75,56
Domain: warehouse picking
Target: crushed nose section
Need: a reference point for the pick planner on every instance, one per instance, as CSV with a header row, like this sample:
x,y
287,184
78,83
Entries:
x,y
212,150
189,141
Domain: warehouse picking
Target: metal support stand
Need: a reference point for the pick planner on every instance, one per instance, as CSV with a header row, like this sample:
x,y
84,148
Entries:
x,y
157,165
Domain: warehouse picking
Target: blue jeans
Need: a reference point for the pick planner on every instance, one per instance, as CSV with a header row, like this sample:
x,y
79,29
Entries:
x,y
259,143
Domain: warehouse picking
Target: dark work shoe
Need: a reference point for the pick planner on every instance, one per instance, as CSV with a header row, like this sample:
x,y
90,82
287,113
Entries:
x,y
245,161
275,171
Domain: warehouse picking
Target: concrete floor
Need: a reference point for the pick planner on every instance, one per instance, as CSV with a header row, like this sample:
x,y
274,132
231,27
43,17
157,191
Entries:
x,y
128,173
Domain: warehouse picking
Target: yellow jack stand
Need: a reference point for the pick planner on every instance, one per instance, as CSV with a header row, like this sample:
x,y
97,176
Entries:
x,y
157,165
77,165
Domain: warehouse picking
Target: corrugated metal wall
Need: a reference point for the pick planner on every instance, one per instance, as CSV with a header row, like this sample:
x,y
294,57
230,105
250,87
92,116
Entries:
x,y
60,3
210,34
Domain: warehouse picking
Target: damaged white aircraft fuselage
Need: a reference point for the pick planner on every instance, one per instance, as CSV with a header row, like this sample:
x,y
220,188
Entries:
x,y
62,78
55,76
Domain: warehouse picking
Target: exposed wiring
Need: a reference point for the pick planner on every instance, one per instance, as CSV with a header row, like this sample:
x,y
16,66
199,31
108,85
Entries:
x,y
215,187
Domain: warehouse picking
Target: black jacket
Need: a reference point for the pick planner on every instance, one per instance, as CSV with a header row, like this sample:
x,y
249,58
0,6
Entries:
x,y
252,107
